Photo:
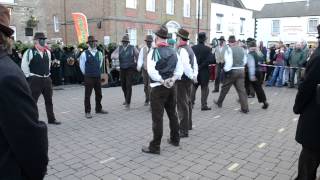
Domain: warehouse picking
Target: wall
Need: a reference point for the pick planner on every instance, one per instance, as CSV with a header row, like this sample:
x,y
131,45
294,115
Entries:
x,y
292,29
231,22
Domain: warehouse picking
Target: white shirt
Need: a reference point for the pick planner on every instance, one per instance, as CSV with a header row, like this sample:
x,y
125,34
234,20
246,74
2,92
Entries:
x,y
228,58
26,59
154,74
140,58
187,69
83,59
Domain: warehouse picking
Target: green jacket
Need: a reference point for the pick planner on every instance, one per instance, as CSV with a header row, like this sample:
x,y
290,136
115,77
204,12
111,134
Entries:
x,y
296,58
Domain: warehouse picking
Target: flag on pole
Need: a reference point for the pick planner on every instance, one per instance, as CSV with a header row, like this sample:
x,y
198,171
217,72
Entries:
x,y
81,26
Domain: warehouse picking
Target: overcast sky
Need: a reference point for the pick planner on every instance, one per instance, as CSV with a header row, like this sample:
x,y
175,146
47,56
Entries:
x,y
258,4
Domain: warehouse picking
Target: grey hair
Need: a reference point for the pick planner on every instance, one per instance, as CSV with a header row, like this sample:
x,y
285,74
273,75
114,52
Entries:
x,y
5,43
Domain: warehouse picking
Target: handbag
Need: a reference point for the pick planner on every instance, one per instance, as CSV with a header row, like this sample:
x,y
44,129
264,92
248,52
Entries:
x,y
318,94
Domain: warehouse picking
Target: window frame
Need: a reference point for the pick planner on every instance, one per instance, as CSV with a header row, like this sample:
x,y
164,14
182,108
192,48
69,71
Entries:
x,y
315,27
201,9
219,21
133,5
170,8
186,8
56,24
133,41
242,22
153,5
272,26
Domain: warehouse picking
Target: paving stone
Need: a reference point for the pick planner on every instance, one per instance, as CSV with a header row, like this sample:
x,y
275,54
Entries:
x,y
109,146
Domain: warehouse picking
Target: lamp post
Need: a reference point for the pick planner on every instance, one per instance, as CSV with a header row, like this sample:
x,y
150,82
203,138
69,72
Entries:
x,y
65,22
198,16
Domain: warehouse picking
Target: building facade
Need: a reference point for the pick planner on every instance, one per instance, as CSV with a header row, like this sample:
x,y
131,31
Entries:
x,y
288,22
21,12
230,17
109,20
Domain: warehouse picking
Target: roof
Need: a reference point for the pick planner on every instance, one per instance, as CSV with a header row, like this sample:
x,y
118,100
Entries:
x,y
289,9
234,3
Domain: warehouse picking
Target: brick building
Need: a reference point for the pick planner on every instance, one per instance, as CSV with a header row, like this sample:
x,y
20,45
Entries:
x,y
109,20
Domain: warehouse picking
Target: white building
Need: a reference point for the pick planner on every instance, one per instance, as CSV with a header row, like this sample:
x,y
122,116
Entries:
x,y
230,17
288,22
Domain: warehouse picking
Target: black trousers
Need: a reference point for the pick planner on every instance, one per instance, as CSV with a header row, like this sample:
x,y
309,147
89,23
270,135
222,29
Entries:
x,y
257,87
217,81
146,82
309,162
184,105
162,99
126,78
204,94
38,86
89,84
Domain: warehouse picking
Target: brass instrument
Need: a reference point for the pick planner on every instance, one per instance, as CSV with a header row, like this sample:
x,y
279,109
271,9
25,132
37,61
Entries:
x,y
70,61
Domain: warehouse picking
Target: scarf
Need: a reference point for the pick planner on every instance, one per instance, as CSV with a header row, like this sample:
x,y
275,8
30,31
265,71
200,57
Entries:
x,y
40,48
182,43
162,44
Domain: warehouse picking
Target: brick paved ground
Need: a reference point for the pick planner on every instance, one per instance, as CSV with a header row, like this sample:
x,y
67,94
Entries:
x,y
224,144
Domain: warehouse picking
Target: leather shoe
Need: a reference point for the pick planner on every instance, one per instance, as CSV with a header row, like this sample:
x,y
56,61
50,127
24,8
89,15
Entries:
x,y
206,108
218,104
265,105
102,112
244,111
173,142
55,122
184,135
146,104
88,116
124,103
146,149
215,91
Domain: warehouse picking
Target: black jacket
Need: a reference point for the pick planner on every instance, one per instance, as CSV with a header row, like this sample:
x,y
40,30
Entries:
x,y
23,139
308,130
204,56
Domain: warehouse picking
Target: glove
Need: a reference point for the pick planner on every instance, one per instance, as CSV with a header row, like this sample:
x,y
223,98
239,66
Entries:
x,y
168,83
253,78
195,80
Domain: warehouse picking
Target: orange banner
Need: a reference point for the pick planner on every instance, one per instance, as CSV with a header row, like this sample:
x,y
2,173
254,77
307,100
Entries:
x,y
81,26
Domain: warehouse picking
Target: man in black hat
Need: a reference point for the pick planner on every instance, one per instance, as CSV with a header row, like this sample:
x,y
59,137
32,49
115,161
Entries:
x,y
185,85
235,60
164,68
307,104
254,74
128,56
91,63
36,63
204,56
23,138
219,55
142,65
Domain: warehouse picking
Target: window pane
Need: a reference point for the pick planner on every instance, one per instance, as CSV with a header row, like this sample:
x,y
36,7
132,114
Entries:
x,y
200,9
186,9
275,26
150,5
170,6
132,36
131,4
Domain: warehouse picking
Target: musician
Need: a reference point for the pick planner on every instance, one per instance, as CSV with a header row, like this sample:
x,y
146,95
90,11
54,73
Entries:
x,y
91,64
56,69
69,66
